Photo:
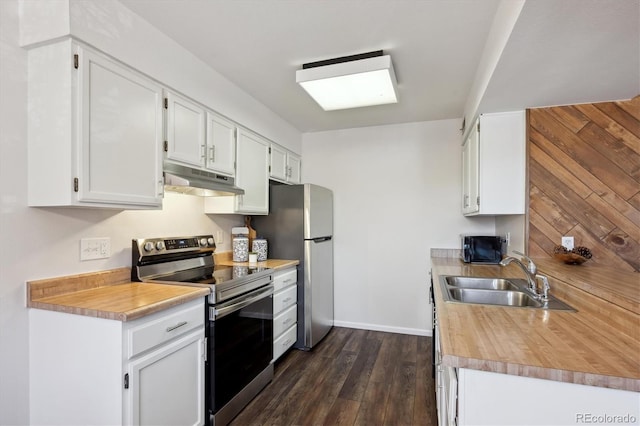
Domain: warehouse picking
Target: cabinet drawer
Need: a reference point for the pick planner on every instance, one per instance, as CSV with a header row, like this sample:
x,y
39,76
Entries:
x,y
162,328
284,298
284,342
285,279
284,320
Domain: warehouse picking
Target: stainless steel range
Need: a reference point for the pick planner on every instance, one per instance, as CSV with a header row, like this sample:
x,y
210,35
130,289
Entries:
x,y
239,314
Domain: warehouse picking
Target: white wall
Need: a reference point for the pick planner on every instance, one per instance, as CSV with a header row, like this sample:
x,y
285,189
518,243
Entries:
x,y
397,195
44,242
515,226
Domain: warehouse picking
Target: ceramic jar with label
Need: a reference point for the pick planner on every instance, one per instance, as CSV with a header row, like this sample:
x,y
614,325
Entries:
x,y
260,246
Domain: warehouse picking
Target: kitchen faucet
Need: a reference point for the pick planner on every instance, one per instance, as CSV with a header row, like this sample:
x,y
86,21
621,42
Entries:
x,y
532,276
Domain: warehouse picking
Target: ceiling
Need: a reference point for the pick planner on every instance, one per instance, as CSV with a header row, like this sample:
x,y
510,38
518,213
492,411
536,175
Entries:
x,y
560,51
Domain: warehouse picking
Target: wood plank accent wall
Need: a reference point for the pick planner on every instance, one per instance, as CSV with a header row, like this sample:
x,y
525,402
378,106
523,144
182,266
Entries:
x,y
584,180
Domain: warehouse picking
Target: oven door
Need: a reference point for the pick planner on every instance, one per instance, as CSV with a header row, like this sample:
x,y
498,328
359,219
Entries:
x,y
240,344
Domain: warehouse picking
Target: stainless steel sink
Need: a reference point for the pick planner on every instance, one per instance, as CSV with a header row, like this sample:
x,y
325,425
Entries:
x,y
482,283
494,297
510,292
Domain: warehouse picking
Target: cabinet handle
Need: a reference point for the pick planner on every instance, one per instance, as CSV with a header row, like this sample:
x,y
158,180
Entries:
x,y
286,300
161,187
203,153
178,325
287,342
212,153
287,321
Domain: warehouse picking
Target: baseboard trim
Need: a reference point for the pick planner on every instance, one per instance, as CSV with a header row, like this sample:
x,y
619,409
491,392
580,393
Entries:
x,y
388,329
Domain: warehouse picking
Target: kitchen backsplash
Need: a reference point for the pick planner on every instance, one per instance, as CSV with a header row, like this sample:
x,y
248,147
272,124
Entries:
x,y
584,180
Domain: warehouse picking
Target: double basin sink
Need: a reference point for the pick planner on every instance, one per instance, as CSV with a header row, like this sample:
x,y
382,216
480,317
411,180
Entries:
x,y
495,291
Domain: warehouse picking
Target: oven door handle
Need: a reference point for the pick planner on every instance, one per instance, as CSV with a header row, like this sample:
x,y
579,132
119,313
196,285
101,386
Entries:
x,y
243,301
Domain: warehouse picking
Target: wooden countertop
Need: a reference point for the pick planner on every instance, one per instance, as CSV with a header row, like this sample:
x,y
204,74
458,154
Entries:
x,y
112,295
226,258
107,294
597,345
274,264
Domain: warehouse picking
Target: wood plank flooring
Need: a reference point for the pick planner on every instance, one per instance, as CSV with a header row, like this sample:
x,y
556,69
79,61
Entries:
x,y
353,377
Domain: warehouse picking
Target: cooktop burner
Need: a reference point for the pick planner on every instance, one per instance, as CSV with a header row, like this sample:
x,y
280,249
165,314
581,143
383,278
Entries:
x,y
219,274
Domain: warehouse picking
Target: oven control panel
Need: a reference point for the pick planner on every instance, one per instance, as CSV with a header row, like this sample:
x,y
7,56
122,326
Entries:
x,y
153,246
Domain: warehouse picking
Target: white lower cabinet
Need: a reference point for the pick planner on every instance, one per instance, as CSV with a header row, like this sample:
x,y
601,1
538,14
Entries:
x,y
285,310
87,370
517,400
474,397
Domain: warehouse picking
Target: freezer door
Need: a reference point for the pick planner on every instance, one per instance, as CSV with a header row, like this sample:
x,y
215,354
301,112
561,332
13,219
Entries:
x,y
318,211
318,290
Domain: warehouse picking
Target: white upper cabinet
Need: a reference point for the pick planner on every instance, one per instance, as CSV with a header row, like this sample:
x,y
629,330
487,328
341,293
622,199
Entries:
x,y
95,131
294,167
284,165
221,144
185,131
252,175
470,178
278,163
199,138
494,165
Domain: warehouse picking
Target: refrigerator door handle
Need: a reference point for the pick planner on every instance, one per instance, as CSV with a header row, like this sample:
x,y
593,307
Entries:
x,y
321,239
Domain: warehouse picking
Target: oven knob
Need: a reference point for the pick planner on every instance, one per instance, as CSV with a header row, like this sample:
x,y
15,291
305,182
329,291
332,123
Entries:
x,y
210,241
203,242
160,245
148,246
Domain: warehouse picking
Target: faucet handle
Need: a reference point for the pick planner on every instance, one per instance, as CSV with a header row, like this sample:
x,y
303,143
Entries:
x,y
532,266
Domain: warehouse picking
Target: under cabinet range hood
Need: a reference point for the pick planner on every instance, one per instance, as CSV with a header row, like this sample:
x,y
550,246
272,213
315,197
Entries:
x,y
187,180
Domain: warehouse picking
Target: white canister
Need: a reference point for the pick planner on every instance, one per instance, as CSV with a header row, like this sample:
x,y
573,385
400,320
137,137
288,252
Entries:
x,y
240,249
260,246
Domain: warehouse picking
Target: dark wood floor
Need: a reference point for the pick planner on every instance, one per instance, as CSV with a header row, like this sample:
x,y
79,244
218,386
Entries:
x,y
353,377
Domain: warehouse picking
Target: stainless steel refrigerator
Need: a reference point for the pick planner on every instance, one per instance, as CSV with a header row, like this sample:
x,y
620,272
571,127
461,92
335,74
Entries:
x,y
300,226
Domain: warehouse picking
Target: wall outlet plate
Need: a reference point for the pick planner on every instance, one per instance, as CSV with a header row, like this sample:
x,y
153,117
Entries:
x,y
567,242
95,248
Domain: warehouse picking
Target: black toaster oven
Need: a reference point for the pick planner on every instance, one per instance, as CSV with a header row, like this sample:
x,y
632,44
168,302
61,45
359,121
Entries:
x,y
487,249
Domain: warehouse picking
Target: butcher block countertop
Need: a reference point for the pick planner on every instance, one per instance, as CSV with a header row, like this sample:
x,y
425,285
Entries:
x,y
597,345
225,258
111,294
107,294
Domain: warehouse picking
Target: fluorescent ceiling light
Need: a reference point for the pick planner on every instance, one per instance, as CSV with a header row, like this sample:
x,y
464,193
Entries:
x,y
350,82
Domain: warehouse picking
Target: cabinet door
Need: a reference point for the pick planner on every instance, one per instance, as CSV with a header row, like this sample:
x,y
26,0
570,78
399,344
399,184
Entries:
x,y
294,168
185,131
166,387
120,134
252,173
470,172
278,169
221,145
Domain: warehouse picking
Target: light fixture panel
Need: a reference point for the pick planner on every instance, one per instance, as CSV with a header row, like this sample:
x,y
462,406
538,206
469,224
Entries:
x,y
352,84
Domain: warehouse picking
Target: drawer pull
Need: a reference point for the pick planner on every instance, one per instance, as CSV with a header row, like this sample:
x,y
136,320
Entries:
x,y
287,281
287,342
287,300
287,321
178,325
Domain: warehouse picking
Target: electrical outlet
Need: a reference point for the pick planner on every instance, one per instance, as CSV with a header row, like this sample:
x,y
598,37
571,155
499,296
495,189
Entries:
x,y
95,248
508,238
219,237
567,242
